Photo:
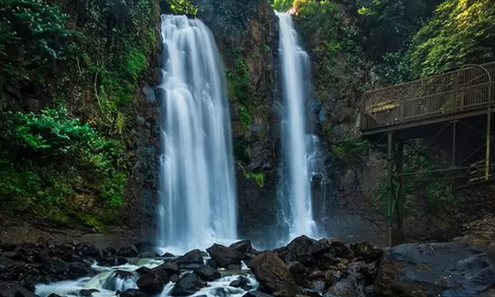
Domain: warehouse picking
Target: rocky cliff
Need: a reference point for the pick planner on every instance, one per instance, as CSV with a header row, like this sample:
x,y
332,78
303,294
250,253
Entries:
x,y
247,37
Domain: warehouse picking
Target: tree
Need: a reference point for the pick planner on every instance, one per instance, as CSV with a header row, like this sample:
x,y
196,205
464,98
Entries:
x,y
460,32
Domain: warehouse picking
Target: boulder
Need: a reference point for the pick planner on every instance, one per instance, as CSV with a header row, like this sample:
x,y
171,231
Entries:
x,y
285,255
86,249
7,273
274,277
366,252
113,261
31,255
14,290
341,250
55,267
211,263
8,247
133,293
187,285
207,273
88,292
174,278
15,256
326,261
108,252
171,268
243,247
304,245
299,272
128,252
225,256
435,269
332,277
317,281
142,270
242,282
190,260
153,282
351,286
78,270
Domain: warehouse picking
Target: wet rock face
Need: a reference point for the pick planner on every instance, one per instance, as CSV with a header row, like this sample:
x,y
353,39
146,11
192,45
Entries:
x,y
246,34
273,275
192,259
154,281
435,269
225,256
307,250
133,293
207,273
187,285
129,251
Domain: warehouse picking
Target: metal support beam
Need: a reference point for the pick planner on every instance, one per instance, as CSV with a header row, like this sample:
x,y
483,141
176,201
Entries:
x,y
399,163
454,142
395,198
488,119
390,173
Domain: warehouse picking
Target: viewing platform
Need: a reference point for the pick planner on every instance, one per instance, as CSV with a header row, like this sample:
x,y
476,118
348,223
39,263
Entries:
x,y
452,111
417,107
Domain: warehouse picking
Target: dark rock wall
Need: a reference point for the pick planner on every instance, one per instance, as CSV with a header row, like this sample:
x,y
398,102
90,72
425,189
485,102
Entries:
x,y
247,33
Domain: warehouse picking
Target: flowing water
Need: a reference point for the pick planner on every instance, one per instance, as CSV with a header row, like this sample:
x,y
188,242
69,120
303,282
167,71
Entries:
x,y
295,192
197,187
110,280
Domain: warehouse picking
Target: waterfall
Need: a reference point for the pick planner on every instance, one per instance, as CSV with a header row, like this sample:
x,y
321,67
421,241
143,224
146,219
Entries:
x,y
197,186
295,192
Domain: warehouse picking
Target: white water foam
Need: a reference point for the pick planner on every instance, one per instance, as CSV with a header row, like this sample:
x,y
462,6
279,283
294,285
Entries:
x,y
197,186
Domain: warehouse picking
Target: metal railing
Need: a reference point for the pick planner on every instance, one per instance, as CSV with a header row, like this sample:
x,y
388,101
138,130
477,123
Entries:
x,y
469,88
477,171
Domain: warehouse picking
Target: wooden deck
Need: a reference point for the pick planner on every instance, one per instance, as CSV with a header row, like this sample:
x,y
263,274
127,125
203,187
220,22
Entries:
x,y
459,94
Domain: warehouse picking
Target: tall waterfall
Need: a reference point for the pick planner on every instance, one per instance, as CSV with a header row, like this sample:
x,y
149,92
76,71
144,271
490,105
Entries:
x,y
295,192
197,186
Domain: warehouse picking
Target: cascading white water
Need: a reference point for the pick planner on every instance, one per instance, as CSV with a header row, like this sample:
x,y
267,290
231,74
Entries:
x,y
197,186
297,213
112,280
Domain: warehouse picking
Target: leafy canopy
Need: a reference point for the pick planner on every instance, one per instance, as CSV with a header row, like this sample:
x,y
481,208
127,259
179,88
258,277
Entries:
x,y
460,32
53,144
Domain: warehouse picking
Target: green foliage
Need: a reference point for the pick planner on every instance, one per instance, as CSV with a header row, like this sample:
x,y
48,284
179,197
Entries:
x,y
327,128
33,35
245,117
52,152
258,177
351,151
387,25
228,18
282,5
386,28
239,83
88,57
240,89
135,62
460,32
333,37
181,7
425,194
